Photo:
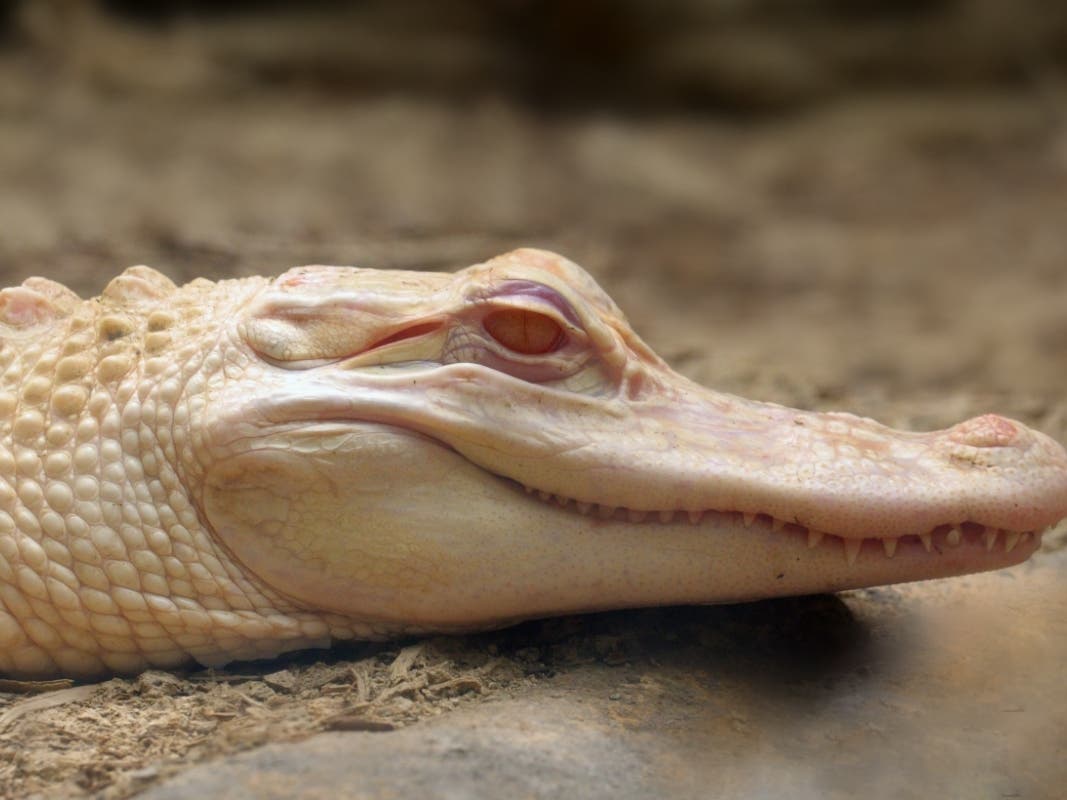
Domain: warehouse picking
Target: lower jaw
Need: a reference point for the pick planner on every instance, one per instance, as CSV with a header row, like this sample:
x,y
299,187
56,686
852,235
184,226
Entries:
x,y
743,564
500,557
726,557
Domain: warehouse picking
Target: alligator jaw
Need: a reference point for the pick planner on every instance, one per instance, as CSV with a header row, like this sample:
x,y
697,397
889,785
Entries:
x,y
456,548
413,512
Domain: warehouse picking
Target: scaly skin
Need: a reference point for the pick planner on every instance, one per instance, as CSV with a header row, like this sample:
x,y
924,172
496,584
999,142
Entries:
x,y
234,470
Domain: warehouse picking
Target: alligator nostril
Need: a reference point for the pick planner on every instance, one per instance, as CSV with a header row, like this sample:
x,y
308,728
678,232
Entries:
x,y
988,430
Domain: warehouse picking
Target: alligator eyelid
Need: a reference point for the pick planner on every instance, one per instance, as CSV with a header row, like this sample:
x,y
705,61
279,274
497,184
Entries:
x,y
522,289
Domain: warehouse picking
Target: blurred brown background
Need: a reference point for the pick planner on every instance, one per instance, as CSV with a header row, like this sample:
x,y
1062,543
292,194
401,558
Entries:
x,y
777,165
853,204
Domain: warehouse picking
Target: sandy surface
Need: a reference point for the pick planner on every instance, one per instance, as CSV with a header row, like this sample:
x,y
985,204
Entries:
x,y
899,256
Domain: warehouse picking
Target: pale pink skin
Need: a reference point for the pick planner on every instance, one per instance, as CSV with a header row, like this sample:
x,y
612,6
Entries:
x,y
230,470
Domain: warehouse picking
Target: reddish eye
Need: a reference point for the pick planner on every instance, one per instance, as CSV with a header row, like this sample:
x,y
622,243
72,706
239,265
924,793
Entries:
x,y
525,332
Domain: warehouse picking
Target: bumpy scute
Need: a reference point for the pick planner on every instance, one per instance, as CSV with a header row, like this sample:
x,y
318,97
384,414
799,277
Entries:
x,y
22,309
139,287
104,563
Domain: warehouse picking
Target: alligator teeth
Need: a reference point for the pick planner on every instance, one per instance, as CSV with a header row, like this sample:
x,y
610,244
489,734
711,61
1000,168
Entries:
x,y
852,549
953,537
990,538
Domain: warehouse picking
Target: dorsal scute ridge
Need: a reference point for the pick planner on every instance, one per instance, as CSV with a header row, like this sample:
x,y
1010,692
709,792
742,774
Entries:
x,y
26,307
139,286
64,299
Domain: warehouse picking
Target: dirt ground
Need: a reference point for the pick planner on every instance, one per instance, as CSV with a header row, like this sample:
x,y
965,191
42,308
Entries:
x,y
896,254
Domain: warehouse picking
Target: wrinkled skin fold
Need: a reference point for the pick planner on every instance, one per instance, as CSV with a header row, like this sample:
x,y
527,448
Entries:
x,y
239,469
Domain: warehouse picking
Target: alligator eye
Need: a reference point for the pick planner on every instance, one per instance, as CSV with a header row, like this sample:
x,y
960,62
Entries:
x,y
523,331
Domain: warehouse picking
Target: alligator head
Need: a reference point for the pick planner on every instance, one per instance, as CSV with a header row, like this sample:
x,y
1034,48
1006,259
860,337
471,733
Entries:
x,y
433,451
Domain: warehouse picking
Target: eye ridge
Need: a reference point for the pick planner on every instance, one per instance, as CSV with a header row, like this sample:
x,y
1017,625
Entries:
x,y
524,331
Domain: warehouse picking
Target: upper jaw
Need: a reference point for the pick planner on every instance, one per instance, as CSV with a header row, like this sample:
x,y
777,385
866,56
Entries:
x,y
684,448
890,505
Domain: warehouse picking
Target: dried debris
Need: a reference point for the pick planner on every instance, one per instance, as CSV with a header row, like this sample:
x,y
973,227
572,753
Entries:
x,y
111,739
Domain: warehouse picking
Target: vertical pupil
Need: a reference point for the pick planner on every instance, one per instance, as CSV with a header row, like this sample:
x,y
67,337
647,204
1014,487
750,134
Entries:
x,y
524,331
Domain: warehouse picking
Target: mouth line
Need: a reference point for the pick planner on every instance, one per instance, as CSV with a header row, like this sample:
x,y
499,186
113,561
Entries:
x,y
966,539
971,537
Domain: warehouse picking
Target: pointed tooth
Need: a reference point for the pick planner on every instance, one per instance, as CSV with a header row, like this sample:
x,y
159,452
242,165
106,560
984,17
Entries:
x,y
583,508
694,516
954,537
990,538
747,519
852,549
890,547
562,501
666,516
529,489
605,512
814,537
927,540
777,524
634,515
544,495
1027,536
1011,538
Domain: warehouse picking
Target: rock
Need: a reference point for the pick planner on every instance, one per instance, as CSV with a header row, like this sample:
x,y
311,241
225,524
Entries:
x,y
528,749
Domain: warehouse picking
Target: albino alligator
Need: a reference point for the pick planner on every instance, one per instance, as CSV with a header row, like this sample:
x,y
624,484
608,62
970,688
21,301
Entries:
x,y
237,469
